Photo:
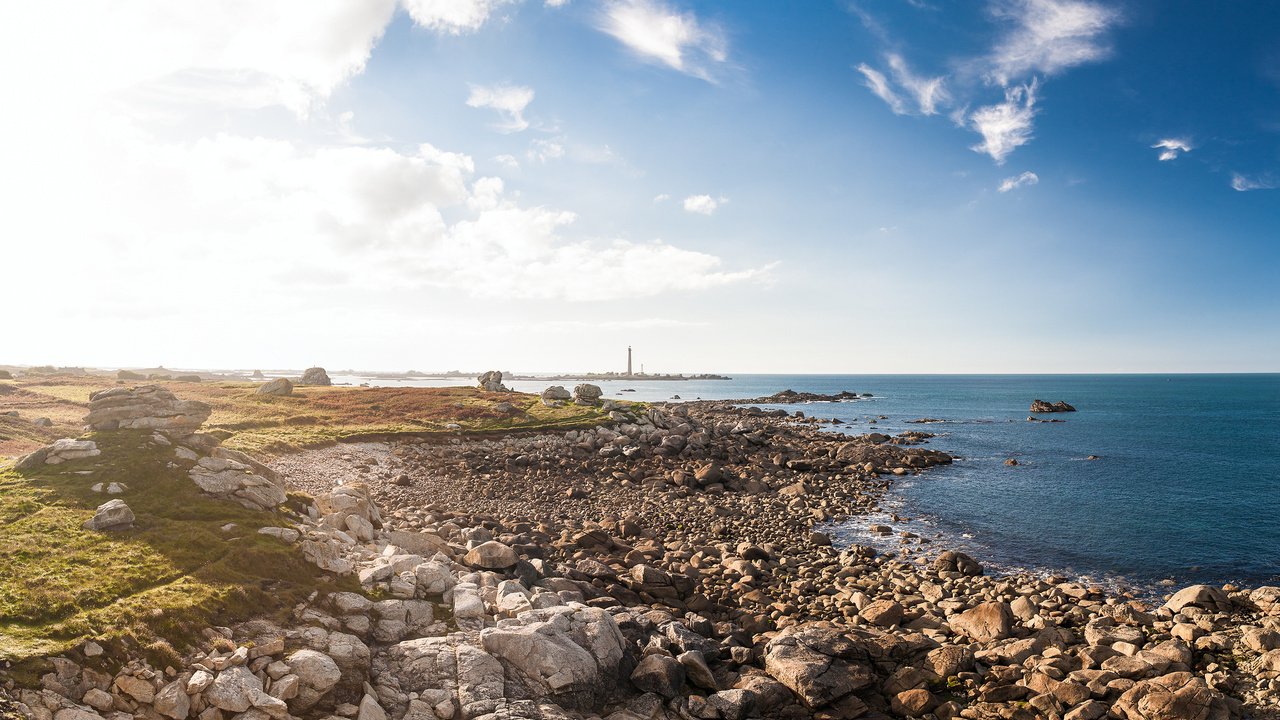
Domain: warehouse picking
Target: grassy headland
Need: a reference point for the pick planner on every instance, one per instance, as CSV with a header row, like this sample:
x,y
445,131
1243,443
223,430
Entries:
x,y
190,561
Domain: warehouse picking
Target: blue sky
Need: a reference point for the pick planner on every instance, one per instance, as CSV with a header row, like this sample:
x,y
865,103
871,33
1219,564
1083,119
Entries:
x,y
892,186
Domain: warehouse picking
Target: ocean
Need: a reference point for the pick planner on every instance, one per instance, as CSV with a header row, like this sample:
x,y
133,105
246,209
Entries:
x,y
1186,487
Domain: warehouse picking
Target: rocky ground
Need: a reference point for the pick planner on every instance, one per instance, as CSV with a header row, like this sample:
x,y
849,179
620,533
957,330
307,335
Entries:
x,y
667,566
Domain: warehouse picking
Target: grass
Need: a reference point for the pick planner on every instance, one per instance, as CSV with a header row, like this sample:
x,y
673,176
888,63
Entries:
x,y
317,415
153,588
156,585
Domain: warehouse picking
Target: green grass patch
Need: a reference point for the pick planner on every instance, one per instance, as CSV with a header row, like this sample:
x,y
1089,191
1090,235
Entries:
x,y
156,585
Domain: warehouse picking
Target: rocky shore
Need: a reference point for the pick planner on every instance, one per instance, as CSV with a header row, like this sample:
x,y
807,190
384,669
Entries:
x,y
668,565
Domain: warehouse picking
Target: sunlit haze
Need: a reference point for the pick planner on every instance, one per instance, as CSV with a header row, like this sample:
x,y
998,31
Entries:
x,y
852,187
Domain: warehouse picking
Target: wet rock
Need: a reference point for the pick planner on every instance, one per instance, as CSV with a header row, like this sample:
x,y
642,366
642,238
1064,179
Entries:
x,y
1040,406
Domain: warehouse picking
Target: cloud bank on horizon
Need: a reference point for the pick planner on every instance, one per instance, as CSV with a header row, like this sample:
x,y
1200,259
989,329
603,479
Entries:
x,y
546,167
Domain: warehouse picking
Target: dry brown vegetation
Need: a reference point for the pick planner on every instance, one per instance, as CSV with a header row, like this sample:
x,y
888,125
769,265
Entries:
x,y
311,416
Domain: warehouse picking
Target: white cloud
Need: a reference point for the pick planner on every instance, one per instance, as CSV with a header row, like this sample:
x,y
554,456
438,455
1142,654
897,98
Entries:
x,y
541,150
928,93
1006,126
509,100
1017,181
879,85
1244,183
288,53
556,3
174,194
1170,148
704,204
661,198
658,33
508,162
452,17
1049,37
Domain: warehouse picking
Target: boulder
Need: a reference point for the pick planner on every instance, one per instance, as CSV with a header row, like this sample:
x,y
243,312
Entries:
x,y
281,387
147,407
491,382
818,663
985,623
554,393
234,690
587,394
884,613
111,515
130,375
660,674
1201,596
1176,696
316,673
491,555
571,655
60,451
450,678
955,561
172,701
315,376
232,479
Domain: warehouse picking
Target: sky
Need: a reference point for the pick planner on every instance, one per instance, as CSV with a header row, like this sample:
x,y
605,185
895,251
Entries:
x,y
853,186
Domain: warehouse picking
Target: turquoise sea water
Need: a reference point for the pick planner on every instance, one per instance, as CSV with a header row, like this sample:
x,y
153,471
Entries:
x,y
1187,486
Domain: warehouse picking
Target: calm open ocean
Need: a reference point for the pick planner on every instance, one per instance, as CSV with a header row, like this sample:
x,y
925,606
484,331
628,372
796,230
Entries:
x,y
1187,485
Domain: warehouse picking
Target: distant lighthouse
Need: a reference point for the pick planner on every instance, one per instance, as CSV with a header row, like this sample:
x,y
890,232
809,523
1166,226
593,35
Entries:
x,y
628,361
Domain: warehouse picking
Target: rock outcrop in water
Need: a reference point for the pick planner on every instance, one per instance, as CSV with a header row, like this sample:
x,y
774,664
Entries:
x,y
1040,406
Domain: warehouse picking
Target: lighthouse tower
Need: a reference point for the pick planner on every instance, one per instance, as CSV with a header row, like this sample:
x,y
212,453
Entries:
x,y
628,361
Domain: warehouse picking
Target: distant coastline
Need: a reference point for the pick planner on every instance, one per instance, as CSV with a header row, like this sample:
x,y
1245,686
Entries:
x,y
455,374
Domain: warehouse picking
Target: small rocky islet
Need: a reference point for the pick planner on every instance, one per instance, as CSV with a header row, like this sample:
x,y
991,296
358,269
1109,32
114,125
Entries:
x,y
668,563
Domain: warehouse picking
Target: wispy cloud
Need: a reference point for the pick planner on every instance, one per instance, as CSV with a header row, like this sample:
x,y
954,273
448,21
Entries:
x,y
1245,183
452,17
1049,36
658,33
1006,126
661,198
879,84
509,100
928,93
1017,181
704,204
1170,148
542,150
